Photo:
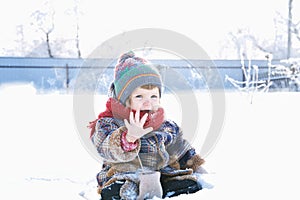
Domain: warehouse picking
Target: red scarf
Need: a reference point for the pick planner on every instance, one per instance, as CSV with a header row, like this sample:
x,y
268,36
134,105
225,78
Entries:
x,y
116,110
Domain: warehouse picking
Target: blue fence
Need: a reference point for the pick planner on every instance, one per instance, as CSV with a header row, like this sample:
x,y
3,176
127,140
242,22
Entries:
x,y
48,74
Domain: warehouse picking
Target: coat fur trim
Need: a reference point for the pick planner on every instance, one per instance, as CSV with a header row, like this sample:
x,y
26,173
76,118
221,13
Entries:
x,y
194,163
182,177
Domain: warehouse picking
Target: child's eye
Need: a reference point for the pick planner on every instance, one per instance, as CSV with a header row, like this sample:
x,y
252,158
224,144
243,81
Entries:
x,y
138,96
154,97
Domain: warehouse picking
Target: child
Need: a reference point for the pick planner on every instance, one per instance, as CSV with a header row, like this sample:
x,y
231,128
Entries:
x,y
133,137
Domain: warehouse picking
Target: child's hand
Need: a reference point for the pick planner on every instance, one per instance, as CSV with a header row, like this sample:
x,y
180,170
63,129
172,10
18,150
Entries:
x,y
135,127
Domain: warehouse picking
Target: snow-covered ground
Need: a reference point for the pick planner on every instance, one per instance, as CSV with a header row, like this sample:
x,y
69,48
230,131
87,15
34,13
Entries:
x,y
42,156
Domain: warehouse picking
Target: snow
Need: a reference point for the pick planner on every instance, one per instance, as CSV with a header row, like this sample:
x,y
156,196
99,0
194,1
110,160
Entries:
x,y
42,156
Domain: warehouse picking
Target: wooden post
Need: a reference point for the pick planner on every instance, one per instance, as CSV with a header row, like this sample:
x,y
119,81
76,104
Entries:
x,y
67,76
289,44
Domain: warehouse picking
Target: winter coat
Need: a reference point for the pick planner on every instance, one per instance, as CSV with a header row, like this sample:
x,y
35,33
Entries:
x,y
163,149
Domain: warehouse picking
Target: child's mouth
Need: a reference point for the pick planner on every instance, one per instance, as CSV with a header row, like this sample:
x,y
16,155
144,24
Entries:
x,y
146,111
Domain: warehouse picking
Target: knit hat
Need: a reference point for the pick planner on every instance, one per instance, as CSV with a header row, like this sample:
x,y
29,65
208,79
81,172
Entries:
x,y
132,72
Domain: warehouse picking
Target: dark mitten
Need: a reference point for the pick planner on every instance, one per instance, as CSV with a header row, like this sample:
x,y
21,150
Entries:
x,y
112,191
184,184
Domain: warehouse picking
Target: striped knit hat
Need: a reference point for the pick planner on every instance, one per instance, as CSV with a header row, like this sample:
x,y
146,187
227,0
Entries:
x,y
132,72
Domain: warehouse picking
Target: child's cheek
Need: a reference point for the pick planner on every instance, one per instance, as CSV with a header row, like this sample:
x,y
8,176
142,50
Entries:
x,y
155,105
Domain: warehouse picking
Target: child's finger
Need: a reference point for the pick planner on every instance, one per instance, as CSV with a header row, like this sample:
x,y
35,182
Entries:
x,y
126,123
131,119
143,120
148,130
137,116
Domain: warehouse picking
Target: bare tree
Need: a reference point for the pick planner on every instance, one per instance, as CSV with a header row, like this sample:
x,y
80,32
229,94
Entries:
x,y
293,29
247,45
43,19
76,12
281,47
20,39
296,30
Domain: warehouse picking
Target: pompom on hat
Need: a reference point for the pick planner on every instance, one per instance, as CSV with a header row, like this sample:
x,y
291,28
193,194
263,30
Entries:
x,y
132,72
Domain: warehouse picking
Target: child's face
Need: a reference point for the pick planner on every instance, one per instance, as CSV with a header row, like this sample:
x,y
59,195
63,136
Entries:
x,y
144,99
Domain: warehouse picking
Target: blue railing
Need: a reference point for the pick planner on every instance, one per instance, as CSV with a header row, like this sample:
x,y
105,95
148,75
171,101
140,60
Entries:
x,y
48,74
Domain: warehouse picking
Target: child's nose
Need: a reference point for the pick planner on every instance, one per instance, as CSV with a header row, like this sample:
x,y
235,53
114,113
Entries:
x,y
147,101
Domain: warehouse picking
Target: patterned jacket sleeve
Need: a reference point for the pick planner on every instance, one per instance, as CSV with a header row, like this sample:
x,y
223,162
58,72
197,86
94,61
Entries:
x,y
176,145
180,149
107,140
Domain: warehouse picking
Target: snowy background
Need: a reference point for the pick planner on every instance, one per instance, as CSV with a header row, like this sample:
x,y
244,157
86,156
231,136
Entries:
x,y
42,156
41,153
208,23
